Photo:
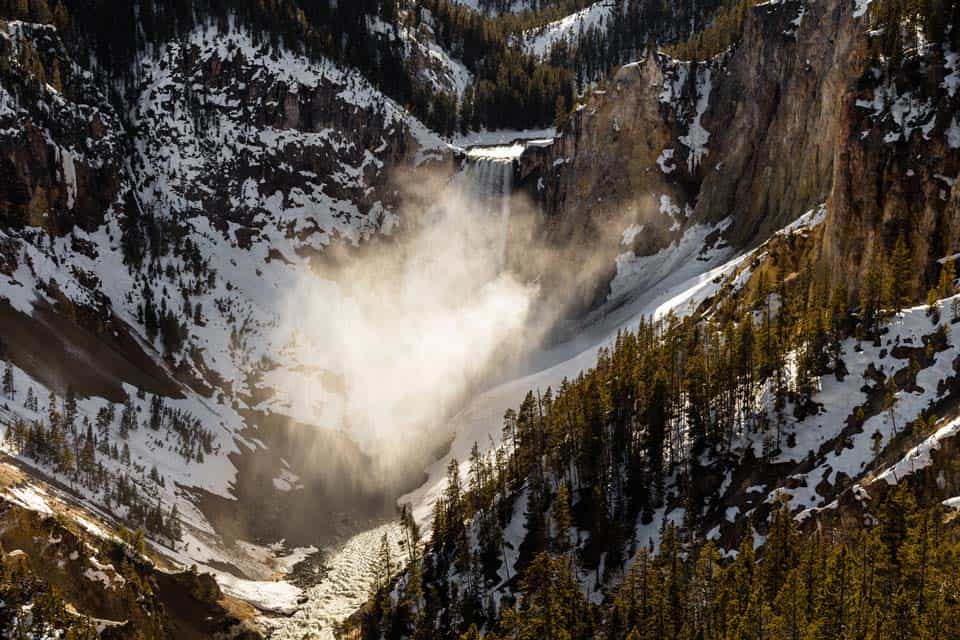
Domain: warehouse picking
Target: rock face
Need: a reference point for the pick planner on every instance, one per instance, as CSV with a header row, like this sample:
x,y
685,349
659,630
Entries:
x,y
108,581
274,144
746,140
895,169
144,237
148,239
61,149
775,116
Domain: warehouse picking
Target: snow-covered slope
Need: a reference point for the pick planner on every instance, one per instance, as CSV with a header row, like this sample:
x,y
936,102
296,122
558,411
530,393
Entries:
x,y
499,6
541,40
677,279
167,274
222,122
435,67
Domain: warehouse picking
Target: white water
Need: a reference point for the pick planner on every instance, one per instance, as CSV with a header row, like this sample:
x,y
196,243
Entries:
x,y
343,590
487,179
489,176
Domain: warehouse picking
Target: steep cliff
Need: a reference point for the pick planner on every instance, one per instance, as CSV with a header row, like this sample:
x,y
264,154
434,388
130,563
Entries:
x,y
745,140
151,231
895,168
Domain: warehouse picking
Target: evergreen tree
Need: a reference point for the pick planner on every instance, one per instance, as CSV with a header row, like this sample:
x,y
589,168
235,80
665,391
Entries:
x,y
9,389
562,520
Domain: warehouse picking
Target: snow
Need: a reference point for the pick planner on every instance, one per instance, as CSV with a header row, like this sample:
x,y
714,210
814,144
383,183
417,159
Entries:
x,y
900,113
860,8
674,79
19,290
516,6
287,481
103,573
919,457
178,158
674,279
498,152
839,398
513,536
681,257
498,137
541,40
8,106
630,234
951,82
664,161
69,175
266,595
440,69
809,220
796,22
667,207
697,136
953,133
30,497
346,586
92,528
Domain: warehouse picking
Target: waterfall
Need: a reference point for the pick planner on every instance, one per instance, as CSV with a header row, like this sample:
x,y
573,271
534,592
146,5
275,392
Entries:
x,y
490,181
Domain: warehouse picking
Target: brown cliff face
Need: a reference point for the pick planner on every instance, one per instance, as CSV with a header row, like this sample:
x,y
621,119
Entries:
x,y
895,172
602,174
775,117
748,136
106,580
60,151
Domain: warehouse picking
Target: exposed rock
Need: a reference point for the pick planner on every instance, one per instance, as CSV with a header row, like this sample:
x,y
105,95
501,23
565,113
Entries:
x,y
748,136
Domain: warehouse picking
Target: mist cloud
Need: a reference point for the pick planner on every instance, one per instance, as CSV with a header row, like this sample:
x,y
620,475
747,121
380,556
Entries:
x,y
412,325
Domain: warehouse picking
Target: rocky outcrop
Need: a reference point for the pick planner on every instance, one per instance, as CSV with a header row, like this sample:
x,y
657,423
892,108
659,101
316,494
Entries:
x,y
148,240
775,116
269,141
61,150
745,140
113,585
897,159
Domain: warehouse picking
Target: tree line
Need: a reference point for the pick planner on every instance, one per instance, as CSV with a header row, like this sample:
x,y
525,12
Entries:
x,y
667,404
76,448
512,88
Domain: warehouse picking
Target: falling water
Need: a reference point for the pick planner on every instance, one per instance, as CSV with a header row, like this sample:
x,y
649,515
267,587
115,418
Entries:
x,y
490,180
487,178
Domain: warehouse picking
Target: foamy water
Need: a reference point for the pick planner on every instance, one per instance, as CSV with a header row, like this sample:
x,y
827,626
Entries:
x,y
351,572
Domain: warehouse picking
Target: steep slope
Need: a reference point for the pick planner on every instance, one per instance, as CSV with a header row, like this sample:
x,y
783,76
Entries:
x,y
811,106
146,264
172,247
668,145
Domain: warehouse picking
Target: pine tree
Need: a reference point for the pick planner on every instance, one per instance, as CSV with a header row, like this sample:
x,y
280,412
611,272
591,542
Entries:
x,y
562,519
948,276
128,418
52,414
9,389
384,568
173,527
70,410
901,264
890,401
